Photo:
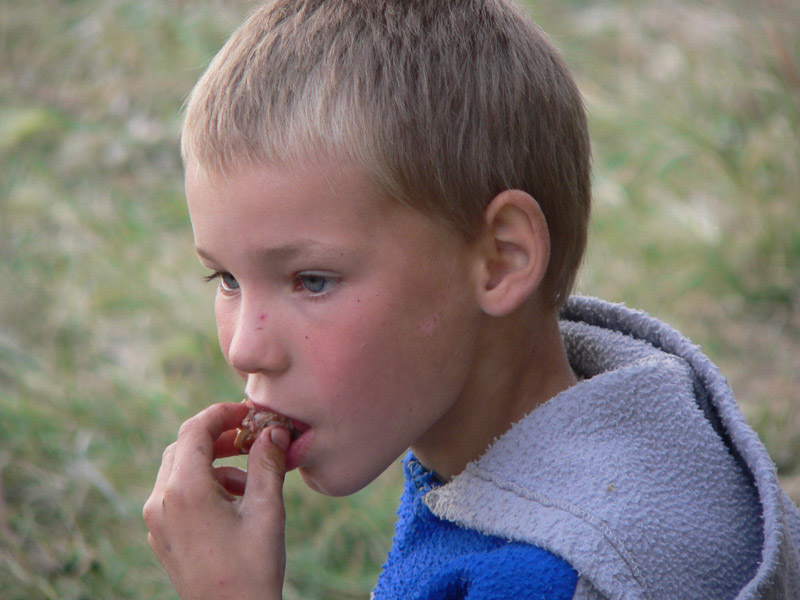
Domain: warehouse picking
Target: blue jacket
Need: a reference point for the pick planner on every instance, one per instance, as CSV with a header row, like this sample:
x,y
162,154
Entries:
x,y
644,479
432,559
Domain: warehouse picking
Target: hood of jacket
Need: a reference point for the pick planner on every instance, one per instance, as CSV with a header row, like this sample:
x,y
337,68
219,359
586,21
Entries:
x,y
644,476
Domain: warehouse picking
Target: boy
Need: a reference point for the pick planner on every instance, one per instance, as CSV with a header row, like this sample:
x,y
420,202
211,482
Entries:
x,y
393,196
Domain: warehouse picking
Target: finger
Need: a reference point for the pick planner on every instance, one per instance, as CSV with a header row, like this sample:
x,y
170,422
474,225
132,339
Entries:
x,y
167,460
219,418
223,445
266,469
231,478
194,452
153,508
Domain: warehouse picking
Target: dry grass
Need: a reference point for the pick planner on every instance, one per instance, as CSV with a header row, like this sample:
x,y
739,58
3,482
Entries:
x,y
106,337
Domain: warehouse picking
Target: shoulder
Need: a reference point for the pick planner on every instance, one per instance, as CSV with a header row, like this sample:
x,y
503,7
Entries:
x,y
435,558
625,478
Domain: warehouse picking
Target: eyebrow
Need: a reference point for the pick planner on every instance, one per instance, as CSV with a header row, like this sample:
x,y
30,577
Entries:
x,y
287,251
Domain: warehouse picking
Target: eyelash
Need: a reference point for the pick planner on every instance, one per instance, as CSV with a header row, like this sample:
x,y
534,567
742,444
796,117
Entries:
x,y
329,280
298,282
221,276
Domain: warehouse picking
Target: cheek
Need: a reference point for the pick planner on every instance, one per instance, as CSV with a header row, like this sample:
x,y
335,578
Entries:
x,y
372,356
225,327
351,358
339,358
429,325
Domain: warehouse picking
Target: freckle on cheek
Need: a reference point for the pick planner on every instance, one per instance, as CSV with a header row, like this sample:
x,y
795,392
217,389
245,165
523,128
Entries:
x,y
429,324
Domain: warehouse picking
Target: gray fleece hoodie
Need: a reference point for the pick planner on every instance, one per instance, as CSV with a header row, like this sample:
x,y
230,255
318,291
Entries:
x,y
644,476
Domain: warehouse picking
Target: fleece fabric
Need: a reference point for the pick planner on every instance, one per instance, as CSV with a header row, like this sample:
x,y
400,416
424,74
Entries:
x,y
434,559
644,477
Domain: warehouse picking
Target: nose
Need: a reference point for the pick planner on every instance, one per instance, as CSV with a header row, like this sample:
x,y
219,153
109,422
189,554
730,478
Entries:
x,y
257,344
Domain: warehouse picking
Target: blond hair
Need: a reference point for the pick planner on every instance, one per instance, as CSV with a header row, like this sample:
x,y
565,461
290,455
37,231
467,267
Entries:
x,y
445,102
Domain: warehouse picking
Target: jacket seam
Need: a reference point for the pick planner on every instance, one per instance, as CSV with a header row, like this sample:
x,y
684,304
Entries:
x,y
593,522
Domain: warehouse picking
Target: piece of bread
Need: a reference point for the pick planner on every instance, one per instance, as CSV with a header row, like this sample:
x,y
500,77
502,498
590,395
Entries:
x,y
254,423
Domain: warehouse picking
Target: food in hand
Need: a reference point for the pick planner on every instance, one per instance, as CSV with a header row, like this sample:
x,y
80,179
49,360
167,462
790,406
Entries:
x,y
254,423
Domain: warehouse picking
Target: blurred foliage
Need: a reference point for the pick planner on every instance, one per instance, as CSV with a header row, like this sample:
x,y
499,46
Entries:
x,y
107,339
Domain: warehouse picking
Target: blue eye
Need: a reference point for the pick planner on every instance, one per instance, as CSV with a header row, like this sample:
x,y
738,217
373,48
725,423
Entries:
x,y
316,284
228,281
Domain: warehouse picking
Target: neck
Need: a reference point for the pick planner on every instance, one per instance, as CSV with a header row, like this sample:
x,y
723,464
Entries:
x,y
521,364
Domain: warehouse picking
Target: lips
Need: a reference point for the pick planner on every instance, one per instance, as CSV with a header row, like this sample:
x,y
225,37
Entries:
x,y
262,416
297,427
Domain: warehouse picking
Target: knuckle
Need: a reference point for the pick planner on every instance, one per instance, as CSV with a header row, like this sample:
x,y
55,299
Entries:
x,y
187,428
169,451
153,513
175,498
149,513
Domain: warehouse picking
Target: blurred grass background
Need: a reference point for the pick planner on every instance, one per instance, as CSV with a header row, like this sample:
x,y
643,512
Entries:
x,y
106,334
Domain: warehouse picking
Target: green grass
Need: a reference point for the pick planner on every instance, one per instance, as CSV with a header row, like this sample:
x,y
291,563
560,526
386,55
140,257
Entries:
x,y
106,332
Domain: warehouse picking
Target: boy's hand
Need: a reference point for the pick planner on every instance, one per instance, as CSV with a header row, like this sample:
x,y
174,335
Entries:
x,y
216,537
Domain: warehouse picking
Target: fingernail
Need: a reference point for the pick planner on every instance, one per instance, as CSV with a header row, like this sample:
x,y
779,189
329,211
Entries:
x,y
280,437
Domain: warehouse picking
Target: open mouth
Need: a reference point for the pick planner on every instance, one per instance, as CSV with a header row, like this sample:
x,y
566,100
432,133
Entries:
x,y
258,419
298,429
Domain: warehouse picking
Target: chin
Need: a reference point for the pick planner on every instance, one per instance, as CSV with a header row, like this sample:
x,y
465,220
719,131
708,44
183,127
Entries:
x,y
331,485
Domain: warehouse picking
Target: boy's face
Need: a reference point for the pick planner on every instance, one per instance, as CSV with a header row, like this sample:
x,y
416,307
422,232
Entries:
x,y
349,313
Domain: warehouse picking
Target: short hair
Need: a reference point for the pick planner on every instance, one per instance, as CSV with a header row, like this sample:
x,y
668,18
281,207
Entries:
x,y
446,103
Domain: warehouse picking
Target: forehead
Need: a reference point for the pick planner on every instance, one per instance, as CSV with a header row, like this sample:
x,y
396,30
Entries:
x,y
321,184
279,204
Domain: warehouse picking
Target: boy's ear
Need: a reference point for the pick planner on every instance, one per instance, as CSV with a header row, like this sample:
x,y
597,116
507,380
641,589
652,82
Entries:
x,y
514,251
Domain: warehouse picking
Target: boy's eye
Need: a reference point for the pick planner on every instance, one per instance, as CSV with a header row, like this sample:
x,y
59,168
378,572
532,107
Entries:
x,y
227,282
316,284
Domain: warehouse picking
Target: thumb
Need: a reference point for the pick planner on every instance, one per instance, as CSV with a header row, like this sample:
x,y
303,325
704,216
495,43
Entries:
x,y
266,468
262,508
